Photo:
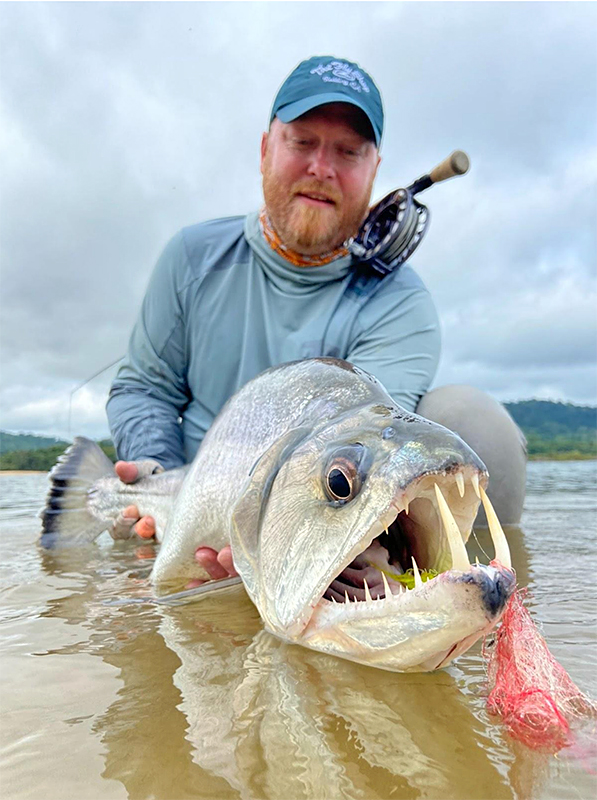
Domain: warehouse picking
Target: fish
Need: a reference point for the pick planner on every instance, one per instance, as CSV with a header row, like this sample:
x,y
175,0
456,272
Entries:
x,y
347,516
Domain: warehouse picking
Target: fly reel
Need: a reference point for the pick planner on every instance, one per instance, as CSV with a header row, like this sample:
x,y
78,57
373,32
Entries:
x,y
395,226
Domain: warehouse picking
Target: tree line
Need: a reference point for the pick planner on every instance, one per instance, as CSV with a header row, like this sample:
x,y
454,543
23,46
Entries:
x,y
44,458
552,430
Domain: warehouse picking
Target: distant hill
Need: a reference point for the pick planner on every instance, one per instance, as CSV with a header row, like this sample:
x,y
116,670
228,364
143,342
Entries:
x,y
9,442
23,451
558,430
552,419
553,430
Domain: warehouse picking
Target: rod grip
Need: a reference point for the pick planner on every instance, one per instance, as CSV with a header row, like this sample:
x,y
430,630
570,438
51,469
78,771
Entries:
x,y
457,163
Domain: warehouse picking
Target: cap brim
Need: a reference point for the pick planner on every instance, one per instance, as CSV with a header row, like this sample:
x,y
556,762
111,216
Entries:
x,y
295,110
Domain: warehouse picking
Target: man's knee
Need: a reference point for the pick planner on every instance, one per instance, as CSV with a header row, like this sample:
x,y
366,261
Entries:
x,y
485,425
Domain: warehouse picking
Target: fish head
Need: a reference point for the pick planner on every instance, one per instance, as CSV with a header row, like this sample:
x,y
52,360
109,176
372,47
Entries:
x,y
332,519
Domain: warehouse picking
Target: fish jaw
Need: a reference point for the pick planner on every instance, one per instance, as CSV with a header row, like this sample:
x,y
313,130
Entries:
x,y
415,630
305,541
420,629
294,573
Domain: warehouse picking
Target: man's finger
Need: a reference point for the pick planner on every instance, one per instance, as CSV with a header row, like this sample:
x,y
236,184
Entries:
x,y
127,471
145,528
225,560
207,557
132,471
131,512
123,527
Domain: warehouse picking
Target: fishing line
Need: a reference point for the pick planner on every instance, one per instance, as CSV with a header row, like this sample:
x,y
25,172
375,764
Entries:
x,y
81,385
487,556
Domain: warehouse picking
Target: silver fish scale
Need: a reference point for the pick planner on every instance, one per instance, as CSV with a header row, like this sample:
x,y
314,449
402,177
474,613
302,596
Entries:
x,y
298,394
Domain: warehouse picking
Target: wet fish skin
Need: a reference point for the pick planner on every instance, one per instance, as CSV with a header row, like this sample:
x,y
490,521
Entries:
x,y
258,482
289,540
262,423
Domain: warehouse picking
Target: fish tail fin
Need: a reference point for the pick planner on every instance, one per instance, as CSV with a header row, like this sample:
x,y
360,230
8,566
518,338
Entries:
x,y
65,517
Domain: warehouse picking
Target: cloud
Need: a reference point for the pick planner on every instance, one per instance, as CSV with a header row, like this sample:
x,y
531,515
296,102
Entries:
x,y
123,122
57,408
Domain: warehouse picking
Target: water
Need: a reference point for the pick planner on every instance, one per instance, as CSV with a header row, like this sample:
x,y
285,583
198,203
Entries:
x,y
114,701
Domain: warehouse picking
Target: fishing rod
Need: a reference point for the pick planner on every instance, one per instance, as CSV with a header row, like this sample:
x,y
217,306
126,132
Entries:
x,y
396,225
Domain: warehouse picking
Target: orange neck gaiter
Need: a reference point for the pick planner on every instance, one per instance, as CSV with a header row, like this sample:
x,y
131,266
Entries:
x,y
297,259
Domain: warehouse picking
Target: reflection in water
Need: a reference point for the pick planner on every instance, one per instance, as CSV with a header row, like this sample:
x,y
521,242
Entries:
x,y
285,721
202,703
262,719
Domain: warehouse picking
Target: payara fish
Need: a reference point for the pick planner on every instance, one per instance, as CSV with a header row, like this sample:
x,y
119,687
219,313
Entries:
x,y
347,516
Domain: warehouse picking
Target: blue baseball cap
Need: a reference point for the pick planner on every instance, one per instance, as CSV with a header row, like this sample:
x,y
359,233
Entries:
x,y
327,79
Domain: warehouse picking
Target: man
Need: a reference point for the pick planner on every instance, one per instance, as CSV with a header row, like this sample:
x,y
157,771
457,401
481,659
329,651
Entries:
x,y
232,297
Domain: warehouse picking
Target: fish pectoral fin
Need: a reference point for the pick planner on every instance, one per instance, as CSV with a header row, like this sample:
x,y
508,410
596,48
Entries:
x,y
248,511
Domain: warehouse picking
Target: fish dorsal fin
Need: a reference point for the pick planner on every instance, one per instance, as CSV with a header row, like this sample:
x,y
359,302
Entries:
x,y
249,510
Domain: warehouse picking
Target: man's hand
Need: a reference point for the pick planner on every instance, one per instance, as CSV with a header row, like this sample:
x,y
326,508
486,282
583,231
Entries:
x,y
129,521
217,565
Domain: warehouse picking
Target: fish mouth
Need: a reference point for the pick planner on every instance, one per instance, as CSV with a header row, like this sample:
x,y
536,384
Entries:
x,y
416,545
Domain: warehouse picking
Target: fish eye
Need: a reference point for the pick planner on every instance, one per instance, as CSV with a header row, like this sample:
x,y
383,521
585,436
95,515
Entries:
x,y
344,475
339,484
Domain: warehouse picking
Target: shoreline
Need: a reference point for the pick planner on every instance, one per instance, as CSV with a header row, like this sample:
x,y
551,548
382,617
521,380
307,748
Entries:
x,y
541,457
561,457
23,472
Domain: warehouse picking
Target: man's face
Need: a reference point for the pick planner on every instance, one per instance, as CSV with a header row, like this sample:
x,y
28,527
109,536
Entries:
x,y
318,173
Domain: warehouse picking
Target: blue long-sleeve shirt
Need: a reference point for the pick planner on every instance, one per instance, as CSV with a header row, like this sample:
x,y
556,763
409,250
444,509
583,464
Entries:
x,y
222,306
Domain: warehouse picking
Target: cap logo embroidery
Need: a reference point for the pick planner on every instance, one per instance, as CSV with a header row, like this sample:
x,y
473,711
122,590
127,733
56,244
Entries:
x,y
342,73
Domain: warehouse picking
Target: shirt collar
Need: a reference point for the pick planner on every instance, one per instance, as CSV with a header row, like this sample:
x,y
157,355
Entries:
x,y
279,267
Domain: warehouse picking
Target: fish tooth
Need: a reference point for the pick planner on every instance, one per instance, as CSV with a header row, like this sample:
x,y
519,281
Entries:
x,y
477,561
475,482
502,551
460,483
386,586
368,597
334,600
346,597
459,555
417,574
406,504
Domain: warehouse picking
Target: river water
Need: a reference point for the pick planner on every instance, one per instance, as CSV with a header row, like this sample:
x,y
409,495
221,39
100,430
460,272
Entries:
x,y
103,700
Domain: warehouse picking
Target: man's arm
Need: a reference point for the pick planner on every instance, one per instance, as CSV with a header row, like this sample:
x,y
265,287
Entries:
x,y
150,391
398,342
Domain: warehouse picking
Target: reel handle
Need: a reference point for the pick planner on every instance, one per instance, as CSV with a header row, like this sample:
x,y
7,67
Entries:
x,y
457,163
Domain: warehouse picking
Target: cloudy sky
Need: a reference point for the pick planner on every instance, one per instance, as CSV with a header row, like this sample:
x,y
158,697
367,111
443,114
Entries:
x,y
122,122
